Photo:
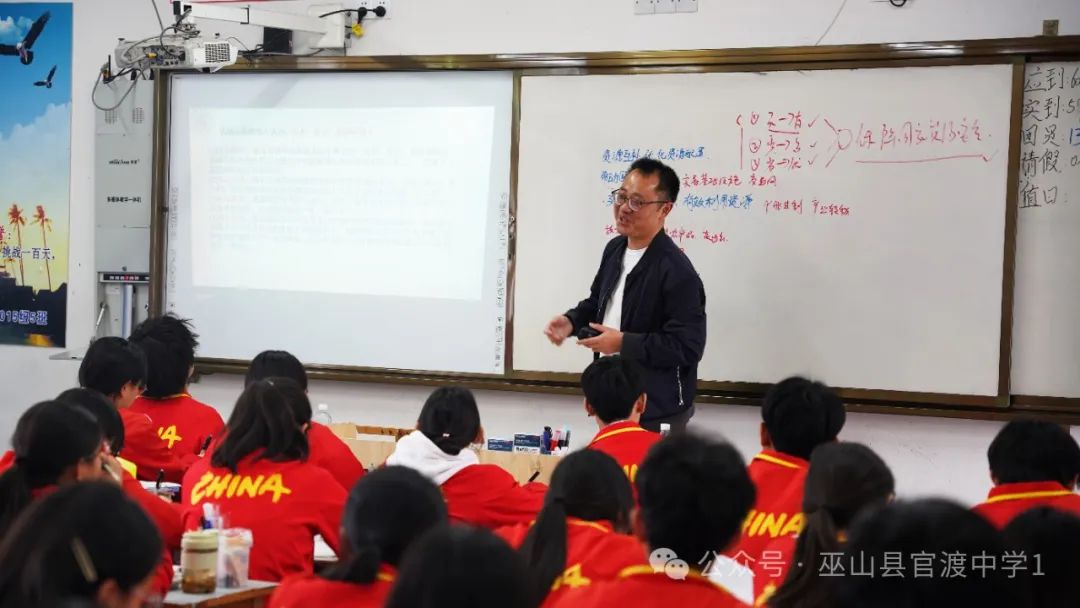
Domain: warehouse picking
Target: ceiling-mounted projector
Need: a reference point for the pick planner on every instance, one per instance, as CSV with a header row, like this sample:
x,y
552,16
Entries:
x,y
177,52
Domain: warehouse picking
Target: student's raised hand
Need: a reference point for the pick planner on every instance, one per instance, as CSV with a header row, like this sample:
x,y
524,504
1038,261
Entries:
x,y
609,342
558,329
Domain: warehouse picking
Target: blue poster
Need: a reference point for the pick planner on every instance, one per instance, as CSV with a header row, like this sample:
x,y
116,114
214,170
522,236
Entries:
x,y
35,162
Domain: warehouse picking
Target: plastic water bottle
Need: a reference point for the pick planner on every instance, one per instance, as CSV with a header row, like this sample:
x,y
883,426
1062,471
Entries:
x,y
665,429
323,415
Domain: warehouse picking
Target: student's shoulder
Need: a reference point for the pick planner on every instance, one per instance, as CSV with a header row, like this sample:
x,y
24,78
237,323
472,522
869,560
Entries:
x,y
310,475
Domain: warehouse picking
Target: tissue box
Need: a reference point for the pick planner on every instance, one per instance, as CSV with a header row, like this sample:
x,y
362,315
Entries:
x,y
527,444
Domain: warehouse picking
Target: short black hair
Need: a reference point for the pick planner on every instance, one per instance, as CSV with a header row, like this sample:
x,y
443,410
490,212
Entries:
x,y
112,426
668,186
387,511
694,495
268,421
1034,450
168,344
40,556
276,364
450,419
1054,536
800,415
111,363
460,567
612,385
933,527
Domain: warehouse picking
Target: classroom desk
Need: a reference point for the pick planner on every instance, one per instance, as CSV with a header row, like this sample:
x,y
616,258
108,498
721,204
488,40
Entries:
x,y
254,595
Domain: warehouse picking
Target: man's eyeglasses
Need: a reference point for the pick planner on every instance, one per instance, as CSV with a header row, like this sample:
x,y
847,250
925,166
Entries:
x,y
634,203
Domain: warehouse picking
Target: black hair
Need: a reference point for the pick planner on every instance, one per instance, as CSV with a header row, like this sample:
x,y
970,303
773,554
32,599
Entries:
x,y
694,494
933,529
612,385
588,485
276,364
460,567
1034,450
450,419
110,364
387,511
69,543
169,344
668,186
49,439
99,406
268,420
1049,539
800,415
843,479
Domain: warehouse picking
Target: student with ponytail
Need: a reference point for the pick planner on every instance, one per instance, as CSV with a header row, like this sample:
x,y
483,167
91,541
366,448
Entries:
x,y
165,515
479,494
326,449
844,480
260,479
582,533
85,541
54,444
387,511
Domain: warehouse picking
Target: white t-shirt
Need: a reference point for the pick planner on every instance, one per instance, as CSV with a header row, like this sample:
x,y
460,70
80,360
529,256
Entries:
x,y
613,312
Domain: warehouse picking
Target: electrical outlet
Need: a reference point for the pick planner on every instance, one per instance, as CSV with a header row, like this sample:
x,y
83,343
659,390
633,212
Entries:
x,y
1050,27
372,5
686,6
665,6
644,7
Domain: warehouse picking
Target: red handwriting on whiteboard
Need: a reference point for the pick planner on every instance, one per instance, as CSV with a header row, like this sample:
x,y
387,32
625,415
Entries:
x,y
829,209
772,142
706,180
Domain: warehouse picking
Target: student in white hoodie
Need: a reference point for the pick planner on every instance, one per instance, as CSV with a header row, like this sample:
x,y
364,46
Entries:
x,y
479,494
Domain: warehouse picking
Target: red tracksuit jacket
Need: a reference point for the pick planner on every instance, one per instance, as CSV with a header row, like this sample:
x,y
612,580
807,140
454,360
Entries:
x,y
627,443
284,504
146,450
1008,500
486,495
302,591
328,451
779,479
594,553
183,423
641,587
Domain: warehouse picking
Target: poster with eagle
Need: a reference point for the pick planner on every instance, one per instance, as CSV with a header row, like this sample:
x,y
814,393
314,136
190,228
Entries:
x,y
35,162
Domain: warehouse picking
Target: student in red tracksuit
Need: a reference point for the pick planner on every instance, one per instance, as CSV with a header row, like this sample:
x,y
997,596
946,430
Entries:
x,y
260,479
797,416
183,425
615,394
582,533
461,567
1032,463
85,544
117,370
165,515
930,553
327,449
479,494
387,512
54,444
1053,535
844,480
694,494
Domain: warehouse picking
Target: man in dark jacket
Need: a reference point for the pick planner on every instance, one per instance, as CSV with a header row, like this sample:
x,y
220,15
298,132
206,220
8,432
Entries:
x,y
647,301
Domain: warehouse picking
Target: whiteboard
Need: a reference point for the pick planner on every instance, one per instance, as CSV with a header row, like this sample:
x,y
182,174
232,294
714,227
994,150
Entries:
x,y
847,224
1046,326
355,219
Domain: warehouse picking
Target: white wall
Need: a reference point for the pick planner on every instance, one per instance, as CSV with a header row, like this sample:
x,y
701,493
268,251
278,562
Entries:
x,y
929,456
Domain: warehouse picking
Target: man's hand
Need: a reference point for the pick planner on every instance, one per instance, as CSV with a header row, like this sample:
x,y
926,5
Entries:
x,y
558,329
608,342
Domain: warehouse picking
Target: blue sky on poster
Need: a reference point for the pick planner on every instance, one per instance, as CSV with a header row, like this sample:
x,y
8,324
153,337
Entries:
x,y
35,132
21,103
